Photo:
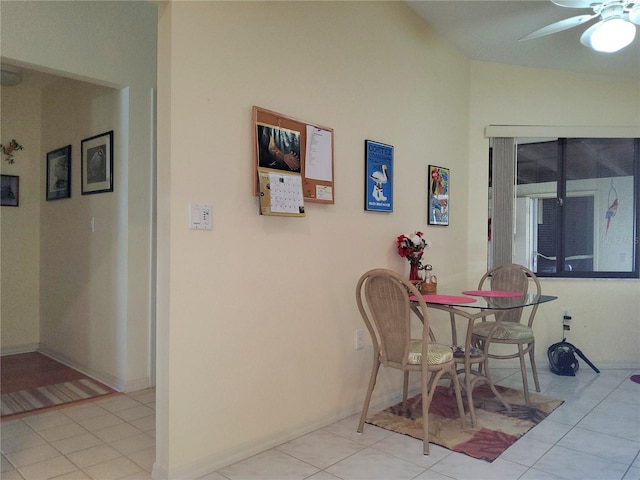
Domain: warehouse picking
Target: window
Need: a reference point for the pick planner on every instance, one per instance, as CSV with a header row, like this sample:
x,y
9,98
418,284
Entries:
x,y
573,209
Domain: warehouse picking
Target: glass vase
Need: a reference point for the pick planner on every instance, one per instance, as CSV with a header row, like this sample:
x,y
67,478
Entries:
x,y
414,271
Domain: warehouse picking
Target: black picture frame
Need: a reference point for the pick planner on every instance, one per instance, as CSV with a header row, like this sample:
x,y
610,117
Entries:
x,y
59,173
10,191
439,179
97,164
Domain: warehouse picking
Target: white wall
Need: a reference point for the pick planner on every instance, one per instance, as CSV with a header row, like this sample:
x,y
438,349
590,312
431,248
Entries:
x,y
112,44
260,312
605,322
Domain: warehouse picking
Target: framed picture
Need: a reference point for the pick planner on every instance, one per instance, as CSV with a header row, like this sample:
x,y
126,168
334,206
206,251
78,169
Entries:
x,y
378,191
97,164
438,195
59,173
10,191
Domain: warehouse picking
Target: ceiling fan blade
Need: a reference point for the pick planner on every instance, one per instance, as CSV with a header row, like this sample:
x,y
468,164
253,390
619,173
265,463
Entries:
x,y
559,26
574,3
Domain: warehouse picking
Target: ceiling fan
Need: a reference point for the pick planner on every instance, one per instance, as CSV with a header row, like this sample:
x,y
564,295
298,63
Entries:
x,y
615,30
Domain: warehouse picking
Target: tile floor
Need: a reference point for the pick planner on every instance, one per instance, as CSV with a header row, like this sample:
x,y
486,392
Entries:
x,y
595,435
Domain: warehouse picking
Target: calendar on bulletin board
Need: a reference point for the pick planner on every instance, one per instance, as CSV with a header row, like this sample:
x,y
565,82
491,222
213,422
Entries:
x,y
292,148
280,193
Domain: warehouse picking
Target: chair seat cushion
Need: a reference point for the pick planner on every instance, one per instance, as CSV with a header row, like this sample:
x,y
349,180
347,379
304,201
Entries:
x,y
437,354
505,331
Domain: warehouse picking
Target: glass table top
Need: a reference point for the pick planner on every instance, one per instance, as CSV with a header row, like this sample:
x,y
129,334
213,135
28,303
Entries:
x,y
457,299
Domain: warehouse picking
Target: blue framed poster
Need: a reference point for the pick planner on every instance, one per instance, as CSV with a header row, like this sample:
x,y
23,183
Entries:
x,y
378,194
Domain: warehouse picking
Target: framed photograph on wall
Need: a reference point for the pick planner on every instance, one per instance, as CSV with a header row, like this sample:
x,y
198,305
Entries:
x,y
438,203
59,173
97,164
378,194
10,191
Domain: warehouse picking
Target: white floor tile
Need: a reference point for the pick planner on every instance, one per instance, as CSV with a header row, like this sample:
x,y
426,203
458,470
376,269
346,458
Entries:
x,y
462,467
372,464
612,425
76,443
32,455
410,449
270,465
348,428
19,442
117,432
47,420
84,411
62,431
93,456
601,445
575,465
321,448
113,469
14,428
526,451
48,469
103,421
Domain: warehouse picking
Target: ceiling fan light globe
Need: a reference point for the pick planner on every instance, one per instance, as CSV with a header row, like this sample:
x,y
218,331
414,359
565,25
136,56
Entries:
x,y
634,14
610,35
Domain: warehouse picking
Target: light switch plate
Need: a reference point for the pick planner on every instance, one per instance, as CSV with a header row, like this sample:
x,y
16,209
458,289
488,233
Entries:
x,y
199,216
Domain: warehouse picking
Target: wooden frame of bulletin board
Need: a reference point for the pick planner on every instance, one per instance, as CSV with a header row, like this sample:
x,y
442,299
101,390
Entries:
x,y
293,146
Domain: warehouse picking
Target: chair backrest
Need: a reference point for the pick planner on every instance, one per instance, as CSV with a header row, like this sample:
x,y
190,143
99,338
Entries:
x,y
383,301
513,278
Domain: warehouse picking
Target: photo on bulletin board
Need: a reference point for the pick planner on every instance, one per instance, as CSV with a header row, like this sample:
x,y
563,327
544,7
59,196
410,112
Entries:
x,y
438,181
378,176
278,148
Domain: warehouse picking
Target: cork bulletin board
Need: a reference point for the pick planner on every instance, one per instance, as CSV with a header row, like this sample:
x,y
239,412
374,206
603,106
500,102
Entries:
x,y
289,147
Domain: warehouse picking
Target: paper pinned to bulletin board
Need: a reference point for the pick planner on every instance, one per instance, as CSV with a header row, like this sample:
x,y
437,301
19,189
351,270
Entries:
x,y
295,147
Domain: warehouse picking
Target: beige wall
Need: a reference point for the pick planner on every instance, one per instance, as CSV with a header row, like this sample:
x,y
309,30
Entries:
x,y
258,315
261,317
67,38
80,270
20,111
604,312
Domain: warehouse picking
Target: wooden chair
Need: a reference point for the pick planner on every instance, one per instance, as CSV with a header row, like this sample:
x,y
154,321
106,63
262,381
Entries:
x,y
383,300
508,328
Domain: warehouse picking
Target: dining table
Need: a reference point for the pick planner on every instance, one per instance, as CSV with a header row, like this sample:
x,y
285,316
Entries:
x,y
476,305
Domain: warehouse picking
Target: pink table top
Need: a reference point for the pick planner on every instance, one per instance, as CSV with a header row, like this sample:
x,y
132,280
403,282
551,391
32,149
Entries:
x,y
492,293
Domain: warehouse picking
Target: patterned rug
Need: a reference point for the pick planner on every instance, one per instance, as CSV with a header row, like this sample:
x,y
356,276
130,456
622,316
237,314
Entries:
x,y
496,431
49,396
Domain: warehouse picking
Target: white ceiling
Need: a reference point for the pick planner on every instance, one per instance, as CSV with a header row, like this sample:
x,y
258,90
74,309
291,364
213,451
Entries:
x,y
488,31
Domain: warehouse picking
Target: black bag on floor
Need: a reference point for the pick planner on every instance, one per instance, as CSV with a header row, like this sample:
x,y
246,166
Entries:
x,y
562,359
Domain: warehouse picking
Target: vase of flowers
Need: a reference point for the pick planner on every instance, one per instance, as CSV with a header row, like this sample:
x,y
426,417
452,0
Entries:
x,y
412,248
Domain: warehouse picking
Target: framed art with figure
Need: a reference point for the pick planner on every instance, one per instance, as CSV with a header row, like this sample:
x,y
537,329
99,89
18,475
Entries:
x,y
59,173
10,192
438,202
378,176
97,164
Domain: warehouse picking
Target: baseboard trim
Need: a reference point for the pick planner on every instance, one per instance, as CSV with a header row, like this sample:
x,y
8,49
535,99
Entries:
x,y
230,456
18,349
110,381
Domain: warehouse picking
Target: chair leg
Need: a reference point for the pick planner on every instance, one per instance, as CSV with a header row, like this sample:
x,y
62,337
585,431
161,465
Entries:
x,y
523,371
405,389
456,389
426,401
533,367
367,398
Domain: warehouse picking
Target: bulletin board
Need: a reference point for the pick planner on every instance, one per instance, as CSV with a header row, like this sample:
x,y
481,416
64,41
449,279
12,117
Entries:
x,y
294,147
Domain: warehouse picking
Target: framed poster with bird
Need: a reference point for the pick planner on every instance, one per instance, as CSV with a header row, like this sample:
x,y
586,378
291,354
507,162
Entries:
x,y
378,194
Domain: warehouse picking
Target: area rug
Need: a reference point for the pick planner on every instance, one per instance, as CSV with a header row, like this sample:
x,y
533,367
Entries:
x,y
52,395
635,378
496,428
